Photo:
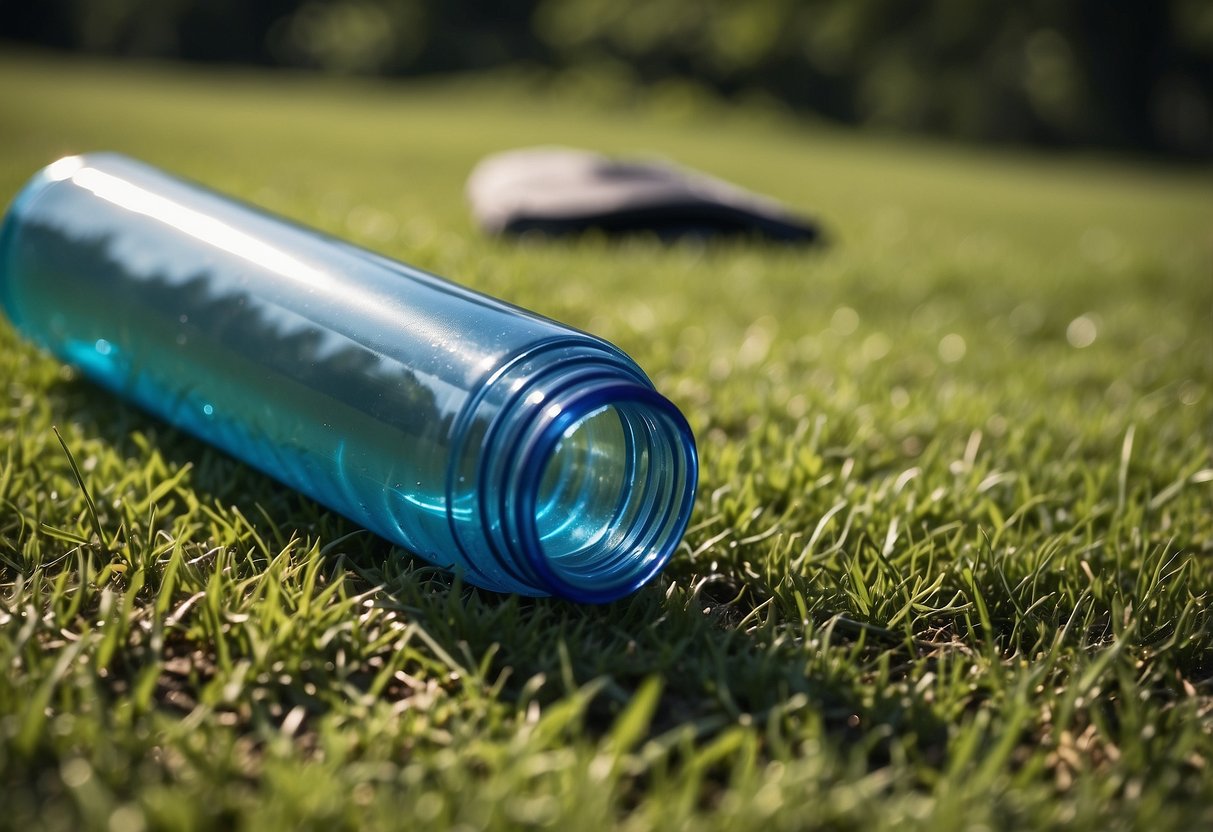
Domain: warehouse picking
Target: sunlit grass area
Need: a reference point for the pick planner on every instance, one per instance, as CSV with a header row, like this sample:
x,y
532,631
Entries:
x,y
951,558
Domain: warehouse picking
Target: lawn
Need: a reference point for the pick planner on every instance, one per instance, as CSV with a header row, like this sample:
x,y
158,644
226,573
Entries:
x,y
951,563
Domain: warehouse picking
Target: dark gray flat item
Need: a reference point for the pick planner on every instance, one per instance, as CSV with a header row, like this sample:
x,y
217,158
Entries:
x,y
559,191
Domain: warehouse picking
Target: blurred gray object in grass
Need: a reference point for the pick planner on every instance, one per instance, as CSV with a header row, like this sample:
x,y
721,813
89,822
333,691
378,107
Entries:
x,y
559,191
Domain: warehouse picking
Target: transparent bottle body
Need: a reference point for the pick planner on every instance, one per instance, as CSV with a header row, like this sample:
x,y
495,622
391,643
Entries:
x,y
528,455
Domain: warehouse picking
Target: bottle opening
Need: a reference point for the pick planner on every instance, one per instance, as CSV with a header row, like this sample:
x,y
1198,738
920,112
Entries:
x,y
614,495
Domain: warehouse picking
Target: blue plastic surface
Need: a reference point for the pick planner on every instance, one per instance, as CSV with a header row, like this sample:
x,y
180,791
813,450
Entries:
x,y
532,457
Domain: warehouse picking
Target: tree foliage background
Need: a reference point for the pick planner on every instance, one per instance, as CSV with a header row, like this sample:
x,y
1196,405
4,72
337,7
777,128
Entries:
x,y
1125,74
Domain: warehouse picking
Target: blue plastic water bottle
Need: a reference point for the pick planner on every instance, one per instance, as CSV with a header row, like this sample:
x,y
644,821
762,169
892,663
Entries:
x,y
534,458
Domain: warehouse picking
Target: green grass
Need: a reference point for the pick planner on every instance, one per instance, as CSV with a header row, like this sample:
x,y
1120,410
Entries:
x,y
947,569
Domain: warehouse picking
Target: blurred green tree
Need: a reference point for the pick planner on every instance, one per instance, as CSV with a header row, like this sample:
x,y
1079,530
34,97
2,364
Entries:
x,y
1129,74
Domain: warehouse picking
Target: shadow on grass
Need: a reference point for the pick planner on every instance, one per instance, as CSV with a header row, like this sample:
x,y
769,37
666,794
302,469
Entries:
x,y
721,664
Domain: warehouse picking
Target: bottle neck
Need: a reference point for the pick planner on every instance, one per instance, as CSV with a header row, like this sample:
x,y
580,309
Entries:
x,y
584,477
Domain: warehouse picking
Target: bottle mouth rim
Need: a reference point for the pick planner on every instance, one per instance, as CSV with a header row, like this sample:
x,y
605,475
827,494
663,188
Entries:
x,y
659,503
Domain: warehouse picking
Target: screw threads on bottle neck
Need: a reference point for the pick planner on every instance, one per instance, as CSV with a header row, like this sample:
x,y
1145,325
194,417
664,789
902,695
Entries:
x,y
586,478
